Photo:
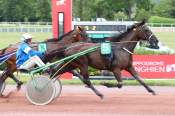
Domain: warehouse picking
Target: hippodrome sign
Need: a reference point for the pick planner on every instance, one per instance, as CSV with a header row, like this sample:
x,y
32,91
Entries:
x,y
154,66
61,17
61,20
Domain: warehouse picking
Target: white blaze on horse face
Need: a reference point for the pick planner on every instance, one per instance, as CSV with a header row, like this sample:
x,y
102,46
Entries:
x,y
60,2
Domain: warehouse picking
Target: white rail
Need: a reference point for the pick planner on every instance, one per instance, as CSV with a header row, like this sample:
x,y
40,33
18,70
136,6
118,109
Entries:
x,y
47,26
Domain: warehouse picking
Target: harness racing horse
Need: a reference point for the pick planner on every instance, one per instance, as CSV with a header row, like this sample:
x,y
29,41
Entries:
x,y
121,59
76,35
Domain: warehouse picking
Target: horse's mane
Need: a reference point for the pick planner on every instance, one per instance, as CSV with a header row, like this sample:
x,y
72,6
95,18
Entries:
x,y
117,38
66,34
60,38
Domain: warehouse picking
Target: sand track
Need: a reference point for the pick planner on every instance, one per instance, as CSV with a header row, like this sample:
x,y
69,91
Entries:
x,y
81,101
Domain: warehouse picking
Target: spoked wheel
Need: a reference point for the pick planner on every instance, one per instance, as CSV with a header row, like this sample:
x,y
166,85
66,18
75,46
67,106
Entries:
x,y
40,91
2,88
58,88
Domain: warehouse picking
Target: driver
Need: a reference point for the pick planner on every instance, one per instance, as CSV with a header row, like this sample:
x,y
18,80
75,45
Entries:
x,y
26,57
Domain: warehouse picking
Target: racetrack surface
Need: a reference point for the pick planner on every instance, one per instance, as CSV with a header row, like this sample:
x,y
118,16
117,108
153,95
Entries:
x,y
81,101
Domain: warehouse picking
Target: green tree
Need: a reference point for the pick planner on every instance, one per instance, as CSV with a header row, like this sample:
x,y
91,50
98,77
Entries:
x,y
172,12
142,14
120,16
84,9
163,8
143,9
87,9
43,10
25,10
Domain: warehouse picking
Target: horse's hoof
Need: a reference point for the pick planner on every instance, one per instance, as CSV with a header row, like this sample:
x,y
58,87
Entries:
x,y
101,96
1,95
109,85
154,93
87,86
19,85
119,86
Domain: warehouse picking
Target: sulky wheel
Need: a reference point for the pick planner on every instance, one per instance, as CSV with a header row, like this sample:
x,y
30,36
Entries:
x,y
40,91
58,88
2,88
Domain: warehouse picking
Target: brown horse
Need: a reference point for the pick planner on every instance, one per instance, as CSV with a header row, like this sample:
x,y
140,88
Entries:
x,y
121,56
52,44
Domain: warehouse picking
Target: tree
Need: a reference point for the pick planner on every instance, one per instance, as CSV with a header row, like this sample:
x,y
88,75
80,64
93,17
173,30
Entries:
x,y
163,8
172,12
142,14
43,10
143,9
103,8
84,9
25,10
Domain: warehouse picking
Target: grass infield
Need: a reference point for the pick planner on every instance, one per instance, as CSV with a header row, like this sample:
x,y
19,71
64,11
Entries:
x,y
167,38
153,82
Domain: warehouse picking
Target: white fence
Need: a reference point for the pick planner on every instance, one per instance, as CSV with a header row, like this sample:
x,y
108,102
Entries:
x,y
25,27
47,27
163,29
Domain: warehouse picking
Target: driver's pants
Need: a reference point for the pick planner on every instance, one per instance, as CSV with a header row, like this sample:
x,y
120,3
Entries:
x,y
31,62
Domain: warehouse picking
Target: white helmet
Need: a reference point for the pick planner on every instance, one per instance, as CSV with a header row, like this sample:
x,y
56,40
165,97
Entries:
x,y
26,36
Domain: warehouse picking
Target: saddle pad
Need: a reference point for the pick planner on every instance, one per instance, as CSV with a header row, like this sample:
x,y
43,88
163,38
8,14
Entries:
x,y
105,48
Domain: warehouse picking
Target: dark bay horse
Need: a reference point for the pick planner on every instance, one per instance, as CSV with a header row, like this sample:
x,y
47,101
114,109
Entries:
x,y
121,56
76,35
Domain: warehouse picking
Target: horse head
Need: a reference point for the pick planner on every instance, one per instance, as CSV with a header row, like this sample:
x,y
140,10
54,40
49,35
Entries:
x,y
75,35
144,33
81,35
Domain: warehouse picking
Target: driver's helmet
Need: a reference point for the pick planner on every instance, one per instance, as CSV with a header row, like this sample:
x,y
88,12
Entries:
x,y
25,36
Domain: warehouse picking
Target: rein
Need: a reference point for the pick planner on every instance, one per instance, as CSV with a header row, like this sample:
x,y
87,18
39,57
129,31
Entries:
x,y
98,44
127,50
148,38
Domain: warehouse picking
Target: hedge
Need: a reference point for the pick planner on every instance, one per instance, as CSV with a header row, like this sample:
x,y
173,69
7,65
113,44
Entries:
x,y
157,19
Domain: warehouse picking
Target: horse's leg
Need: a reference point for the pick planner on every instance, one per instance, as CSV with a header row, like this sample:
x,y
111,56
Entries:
x,y
84,73
18,82
3,77
75,73
83,76
133,72
11,66
117,74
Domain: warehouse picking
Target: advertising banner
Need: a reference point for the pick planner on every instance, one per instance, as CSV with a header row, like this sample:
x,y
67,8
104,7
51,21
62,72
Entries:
x,y
154,66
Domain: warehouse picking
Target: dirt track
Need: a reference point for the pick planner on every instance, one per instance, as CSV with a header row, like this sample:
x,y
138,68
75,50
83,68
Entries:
x,y
80,101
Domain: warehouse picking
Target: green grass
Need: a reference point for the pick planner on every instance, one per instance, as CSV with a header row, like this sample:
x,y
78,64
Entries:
x,y
152,82
167,38
12,38
158,19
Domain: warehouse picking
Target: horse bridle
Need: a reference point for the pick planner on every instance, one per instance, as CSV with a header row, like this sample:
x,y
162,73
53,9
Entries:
x,y
147,38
